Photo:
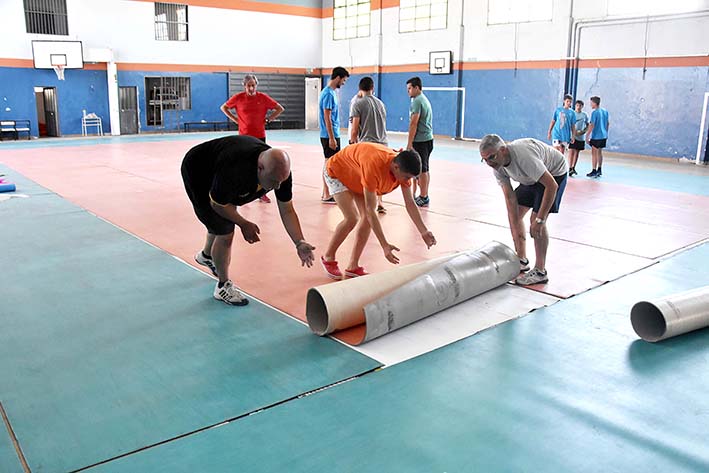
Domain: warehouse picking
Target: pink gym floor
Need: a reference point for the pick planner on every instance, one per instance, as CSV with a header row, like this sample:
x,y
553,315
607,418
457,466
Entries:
x,y
627,220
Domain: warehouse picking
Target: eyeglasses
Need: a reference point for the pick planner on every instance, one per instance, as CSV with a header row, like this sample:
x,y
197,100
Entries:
x,y
489,158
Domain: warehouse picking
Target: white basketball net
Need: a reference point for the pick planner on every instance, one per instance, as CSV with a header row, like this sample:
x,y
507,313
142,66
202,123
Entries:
x,y
60,72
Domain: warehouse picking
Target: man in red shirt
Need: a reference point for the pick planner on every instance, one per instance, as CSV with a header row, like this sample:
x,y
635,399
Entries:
x,y
252,112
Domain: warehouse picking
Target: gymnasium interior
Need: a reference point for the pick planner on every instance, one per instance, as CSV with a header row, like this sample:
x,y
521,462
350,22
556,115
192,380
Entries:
x,y
115,358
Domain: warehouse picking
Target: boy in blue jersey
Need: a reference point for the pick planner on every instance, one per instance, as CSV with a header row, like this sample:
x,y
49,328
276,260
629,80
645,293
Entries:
x,y
561,129
578,144
597,134
330,121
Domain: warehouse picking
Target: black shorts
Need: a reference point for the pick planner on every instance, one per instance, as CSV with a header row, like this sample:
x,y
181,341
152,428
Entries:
x,y
424,149
598,143
215,223
327,151
531,196
578,145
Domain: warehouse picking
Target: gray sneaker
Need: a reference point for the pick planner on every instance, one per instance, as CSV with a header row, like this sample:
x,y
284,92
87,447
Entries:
x,y
204,261
523,265
535,276
230,294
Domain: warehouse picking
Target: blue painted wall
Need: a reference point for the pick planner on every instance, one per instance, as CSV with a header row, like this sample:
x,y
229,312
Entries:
x,y
658,114
654,115
209,92
82,89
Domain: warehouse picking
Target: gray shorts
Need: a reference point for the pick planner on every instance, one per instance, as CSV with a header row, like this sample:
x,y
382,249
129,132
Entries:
x,y
333,184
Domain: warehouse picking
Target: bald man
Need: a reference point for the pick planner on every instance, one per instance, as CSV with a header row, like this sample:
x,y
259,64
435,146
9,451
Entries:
x,y
221,175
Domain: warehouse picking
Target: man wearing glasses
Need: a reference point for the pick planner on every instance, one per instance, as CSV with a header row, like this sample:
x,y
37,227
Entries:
x,y
541,171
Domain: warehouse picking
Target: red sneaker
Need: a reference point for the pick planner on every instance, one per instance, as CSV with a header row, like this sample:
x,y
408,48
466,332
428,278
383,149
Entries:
x,y
356,272
264,198
331,268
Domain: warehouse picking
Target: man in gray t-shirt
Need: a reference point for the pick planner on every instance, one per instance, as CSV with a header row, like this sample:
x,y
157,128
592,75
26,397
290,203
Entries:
x,y
541,171
368,115
368,119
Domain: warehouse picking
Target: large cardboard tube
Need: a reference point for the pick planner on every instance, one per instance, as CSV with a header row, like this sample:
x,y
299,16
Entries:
x,y
340,305
670,316
454,281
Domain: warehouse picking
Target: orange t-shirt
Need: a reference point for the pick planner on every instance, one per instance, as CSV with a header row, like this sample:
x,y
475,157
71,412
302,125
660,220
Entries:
x,y
365,166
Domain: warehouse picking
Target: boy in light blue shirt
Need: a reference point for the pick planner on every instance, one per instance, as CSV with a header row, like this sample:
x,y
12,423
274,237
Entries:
x,y
561,129
597,135
578,144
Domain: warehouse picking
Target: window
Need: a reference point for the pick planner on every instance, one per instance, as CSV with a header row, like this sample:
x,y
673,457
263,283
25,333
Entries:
x,y
423,15
46,17
165,94
170,22
351,19
518,11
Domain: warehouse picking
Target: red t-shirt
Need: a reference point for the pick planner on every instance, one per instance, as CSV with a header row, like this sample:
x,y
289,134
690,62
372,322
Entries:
x,y
251,111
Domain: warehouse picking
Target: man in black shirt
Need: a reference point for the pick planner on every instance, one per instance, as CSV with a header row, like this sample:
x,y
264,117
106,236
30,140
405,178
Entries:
x,y
222,174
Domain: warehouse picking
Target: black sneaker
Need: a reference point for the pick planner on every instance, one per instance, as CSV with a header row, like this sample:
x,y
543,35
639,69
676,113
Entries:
x,y
422,201
598,174
572,172
592,173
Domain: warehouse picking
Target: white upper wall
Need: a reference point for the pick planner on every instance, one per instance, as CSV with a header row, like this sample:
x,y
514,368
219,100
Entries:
x,y
527,41
216,36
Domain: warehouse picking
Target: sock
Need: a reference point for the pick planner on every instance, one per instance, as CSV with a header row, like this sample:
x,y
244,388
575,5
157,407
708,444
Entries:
x,y
221,284
599,168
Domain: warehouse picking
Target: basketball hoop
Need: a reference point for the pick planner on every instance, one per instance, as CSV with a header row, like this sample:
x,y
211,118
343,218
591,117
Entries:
x,y
59,69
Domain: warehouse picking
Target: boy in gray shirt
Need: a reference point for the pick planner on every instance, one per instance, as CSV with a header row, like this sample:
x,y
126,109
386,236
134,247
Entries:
x,y
368,119
541,171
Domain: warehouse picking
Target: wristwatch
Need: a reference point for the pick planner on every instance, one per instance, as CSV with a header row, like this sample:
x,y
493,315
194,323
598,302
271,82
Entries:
x,y
539,220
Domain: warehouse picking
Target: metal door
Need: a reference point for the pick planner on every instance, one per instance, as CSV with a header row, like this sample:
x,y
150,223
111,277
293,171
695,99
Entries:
x,y
312,99
50,111
128,105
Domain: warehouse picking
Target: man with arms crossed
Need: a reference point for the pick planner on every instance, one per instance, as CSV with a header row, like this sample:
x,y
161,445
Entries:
x,y
541,171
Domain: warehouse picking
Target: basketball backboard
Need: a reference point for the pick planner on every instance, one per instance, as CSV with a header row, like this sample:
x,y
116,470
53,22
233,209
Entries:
x,y
440,62
49,54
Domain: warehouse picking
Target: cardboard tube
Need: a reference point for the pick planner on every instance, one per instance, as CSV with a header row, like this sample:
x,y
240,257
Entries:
x,y
340,305
670,316
454,281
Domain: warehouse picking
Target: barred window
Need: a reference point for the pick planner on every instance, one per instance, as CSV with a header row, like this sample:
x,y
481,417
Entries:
x,y
351,19
46,17
423,15
171,22
518,11
164,94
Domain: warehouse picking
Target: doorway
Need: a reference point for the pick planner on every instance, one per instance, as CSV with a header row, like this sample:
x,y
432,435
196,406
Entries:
x,y
128,105
47,111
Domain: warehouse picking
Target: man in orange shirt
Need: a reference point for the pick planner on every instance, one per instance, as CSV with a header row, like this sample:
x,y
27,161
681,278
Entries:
x,y
252,112
355,176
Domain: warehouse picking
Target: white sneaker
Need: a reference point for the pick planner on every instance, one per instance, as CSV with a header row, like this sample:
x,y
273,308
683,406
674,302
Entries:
x,y
208,262
230,294
535,276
